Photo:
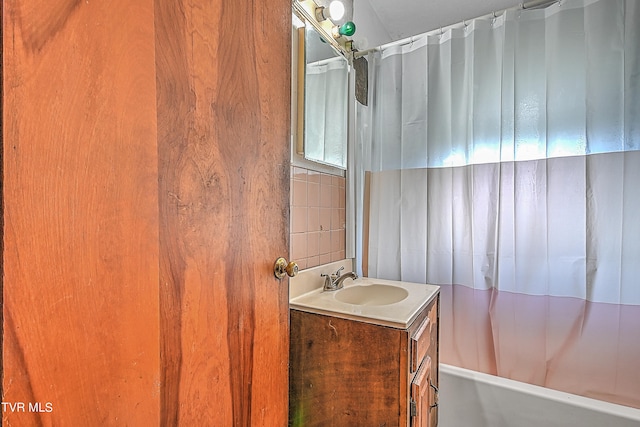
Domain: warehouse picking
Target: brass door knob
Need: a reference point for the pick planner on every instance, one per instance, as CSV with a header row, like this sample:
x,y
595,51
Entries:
x,y
282,267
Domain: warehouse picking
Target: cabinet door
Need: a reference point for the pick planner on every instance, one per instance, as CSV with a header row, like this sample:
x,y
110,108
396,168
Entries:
x,y
421,396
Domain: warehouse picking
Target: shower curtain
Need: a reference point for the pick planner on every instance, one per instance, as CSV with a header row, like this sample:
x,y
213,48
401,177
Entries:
x,y
500,159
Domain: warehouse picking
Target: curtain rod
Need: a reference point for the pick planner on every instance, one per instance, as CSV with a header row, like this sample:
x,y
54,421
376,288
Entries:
x,y
533,4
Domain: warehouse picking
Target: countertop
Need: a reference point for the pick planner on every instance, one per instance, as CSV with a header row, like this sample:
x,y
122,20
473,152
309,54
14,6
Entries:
x,y
396,315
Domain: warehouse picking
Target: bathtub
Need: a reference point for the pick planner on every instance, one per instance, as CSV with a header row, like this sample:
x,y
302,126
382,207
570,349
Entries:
x,y
474,399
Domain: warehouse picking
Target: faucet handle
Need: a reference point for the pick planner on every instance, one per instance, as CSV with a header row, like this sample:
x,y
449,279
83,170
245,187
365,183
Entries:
x,y
328,281
337,273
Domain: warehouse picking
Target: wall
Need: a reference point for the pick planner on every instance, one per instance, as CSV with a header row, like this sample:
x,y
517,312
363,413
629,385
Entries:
x,y
370,31
318,217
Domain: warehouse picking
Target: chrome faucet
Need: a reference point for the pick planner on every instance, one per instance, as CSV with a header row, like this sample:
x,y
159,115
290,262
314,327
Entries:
x,y
333,282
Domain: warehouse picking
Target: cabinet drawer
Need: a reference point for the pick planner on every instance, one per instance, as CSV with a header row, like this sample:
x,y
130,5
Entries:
x,y
420,342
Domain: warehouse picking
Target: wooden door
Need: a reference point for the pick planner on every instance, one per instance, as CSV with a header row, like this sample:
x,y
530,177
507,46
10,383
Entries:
x,y
80,256
144,199
223,82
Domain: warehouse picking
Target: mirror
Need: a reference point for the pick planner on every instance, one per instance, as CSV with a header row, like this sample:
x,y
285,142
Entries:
x,y
326,83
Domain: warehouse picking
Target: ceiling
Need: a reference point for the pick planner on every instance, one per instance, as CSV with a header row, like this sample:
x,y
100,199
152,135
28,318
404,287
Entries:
x,y
405,18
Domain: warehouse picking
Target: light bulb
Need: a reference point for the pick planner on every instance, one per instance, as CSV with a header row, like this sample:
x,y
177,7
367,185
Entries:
x,y
347,29
336,10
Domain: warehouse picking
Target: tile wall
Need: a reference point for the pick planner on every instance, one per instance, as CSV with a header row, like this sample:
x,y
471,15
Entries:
x,y
318,217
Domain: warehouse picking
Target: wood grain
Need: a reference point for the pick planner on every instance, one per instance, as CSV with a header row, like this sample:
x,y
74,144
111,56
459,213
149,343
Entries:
x,y
1,198
80,213
223,81
345,372
434,355
145,199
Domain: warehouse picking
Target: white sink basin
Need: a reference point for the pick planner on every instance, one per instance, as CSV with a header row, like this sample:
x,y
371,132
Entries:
x,y
375,294
379,301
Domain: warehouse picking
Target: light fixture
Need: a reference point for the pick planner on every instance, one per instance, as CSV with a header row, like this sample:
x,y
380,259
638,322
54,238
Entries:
x,y
335,11
347,29
326,20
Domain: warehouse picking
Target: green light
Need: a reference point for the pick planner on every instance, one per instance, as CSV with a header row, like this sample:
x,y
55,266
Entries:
x,y
347,29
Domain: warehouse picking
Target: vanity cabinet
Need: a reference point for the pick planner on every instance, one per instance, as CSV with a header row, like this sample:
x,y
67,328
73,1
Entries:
x,y
346,372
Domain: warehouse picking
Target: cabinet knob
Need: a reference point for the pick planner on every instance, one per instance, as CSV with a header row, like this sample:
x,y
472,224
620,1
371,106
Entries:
x,y
282,267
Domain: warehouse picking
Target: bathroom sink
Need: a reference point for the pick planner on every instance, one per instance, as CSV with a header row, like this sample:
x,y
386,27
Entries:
x,y
382,302
375,294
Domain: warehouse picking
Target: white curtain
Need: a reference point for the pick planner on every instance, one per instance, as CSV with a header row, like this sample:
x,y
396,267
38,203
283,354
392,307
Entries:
x,y
503,156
